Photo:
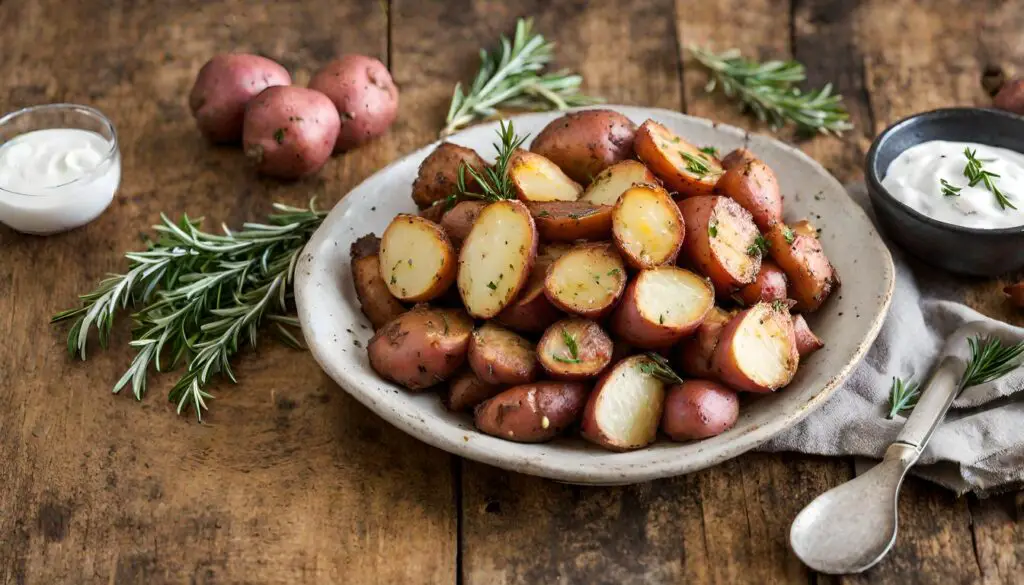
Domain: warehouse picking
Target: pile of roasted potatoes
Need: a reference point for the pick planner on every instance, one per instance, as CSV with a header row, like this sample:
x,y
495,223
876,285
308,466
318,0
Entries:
x,y
629,255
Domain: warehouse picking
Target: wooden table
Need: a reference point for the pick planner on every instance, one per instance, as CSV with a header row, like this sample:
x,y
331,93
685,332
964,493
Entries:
x,y
291,481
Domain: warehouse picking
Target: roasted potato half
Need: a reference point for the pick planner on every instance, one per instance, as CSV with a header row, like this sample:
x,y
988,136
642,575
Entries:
x,y
810,274
661,306
587,281
721,242
458,221
500,356
417,260
770,285
585,143
496,258
421,347
695,352
647,226
531,311
806,341
568,221
375,299
611,183
698,409
624,409
439,173
681,166
466,391
535,178
532,413
574,349
753,185
757,349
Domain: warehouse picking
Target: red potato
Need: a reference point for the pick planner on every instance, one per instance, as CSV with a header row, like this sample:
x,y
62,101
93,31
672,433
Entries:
x,y
574,349
1010,96
806,341
695,353
721,242
363,94
532,413
466,391
770,285
647,226
375,299
223,87
499,356
289,131
738,157
757,350
753,185
624,409
568,221
532,312
422,347
810,274
661,306
535,178
438,175
699,409
681,166
434,213
611,183
1015,292
417,260
585,143
587,281
458,221
496,258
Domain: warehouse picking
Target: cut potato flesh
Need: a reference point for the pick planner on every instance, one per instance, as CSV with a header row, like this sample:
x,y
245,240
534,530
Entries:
x,y
625,408
611,183
765,348
587,281
496,258
647,226
732,244
417,261
757,351
538,179
683,167
674,297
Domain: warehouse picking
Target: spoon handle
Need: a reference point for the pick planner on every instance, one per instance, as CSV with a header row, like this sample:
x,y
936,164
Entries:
x,y
942,388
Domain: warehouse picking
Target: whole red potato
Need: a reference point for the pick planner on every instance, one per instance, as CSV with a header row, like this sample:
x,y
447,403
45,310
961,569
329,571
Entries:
x,y
364,94
289,131
224,86
698,409
1011,97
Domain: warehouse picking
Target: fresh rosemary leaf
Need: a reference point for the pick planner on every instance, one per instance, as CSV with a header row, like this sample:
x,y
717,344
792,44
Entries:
x,y
902,396
975,173
990,360
493,180
759,247
570,343
695,165
948,189
657,366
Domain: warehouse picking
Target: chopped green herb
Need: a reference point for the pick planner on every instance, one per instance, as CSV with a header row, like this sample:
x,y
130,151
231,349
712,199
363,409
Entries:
x,y
492,286
976,174
695,165
713,228
570,344
279,135
759,247
710,151
544,214
613,272
661,319
949,190
787,234
657,366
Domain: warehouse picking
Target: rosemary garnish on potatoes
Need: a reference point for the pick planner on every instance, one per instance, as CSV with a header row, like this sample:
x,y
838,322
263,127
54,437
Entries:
x,y
571,347
768,91
494,180
199,297
511,78
657,366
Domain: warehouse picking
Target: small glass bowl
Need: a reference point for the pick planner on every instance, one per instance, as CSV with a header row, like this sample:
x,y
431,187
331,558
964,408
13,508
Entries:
x,y
53,209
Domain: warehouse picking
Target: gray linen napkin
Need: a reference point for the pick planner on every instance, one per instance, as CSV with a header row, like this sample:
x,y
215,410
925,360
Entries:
x,y
979,447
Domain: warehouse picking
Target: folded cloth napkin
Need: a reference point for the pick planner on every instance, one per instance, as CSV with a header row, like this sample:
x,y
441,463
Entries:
x,y
980,445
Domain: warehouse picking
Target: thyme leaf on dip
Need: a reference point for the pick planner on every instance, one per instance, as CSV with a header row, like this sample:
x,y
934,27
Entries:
x,y
199,297
658,366
512,78
975,173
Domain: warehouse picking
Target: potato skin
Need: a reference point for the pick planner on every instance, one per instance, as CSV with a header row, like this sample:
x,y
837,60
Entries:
x,y
457,221
363,94
811,276
626,242
531,311
725,361
500,356
753,185
738,157
770,285
223,87
594,350
289,131
656,146
532,413
466,391
700,214
375,299
695,353
1015,293
585,143
630,325
568,221
551,289
439,173
422,347
444,275
806,341
698,409
1010,97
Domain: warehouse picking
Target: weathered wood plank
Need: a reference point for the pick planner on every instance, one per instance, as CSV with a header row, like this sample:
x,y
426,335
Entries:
x,y
291,481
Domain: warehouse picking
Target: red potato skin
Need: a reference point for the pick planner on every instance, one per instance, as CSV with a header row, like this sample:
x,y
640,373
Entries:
x,y
495,363
674,180
459,220
737,157
585,143
594,347
728,372
1010,97
695,352
753,185
1015,292
532,413
697,213
770,285
414,349
363,94
466,391
629,324
223,87
595,314
375,300
806,341
531,312
289,131
438,175
810,274
569,221
698,409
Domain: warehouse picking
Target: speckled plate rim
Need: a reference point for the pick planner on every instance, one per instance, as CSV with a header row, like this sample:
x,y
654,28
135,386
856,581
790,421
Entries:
x,y
566,460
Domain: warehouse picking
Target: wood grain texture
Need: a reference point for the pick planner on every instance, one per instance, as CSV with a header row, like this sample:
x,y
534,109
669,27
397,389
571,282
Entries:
x,y
291,480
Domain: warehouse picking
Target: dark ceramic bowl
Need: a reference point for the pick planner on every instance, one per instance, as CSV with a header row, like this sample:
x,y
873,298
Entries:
x,y
970,251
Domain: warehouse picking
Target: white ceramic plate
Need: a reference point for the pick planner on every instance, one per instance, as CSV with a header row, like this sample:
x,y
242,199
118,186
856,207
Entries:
x,y
337,331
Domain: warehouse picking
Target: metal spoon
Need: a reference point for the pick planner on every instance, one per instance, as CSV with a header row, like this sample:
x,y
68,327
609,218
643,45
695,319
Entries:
x,y
852,526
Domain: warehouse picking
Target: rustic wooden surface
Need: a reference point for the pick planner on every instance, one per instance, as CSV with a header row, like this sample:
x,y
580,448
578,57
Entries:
x,y
293,482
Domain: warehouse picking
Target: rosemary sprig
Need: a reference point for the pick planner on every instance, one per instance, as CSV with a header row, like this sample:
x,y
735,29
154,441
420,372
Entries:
x,y
902,396
658,366
975,173
949,190
695,165
201,297
511,78
571,348
768,90
990,359
493,180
